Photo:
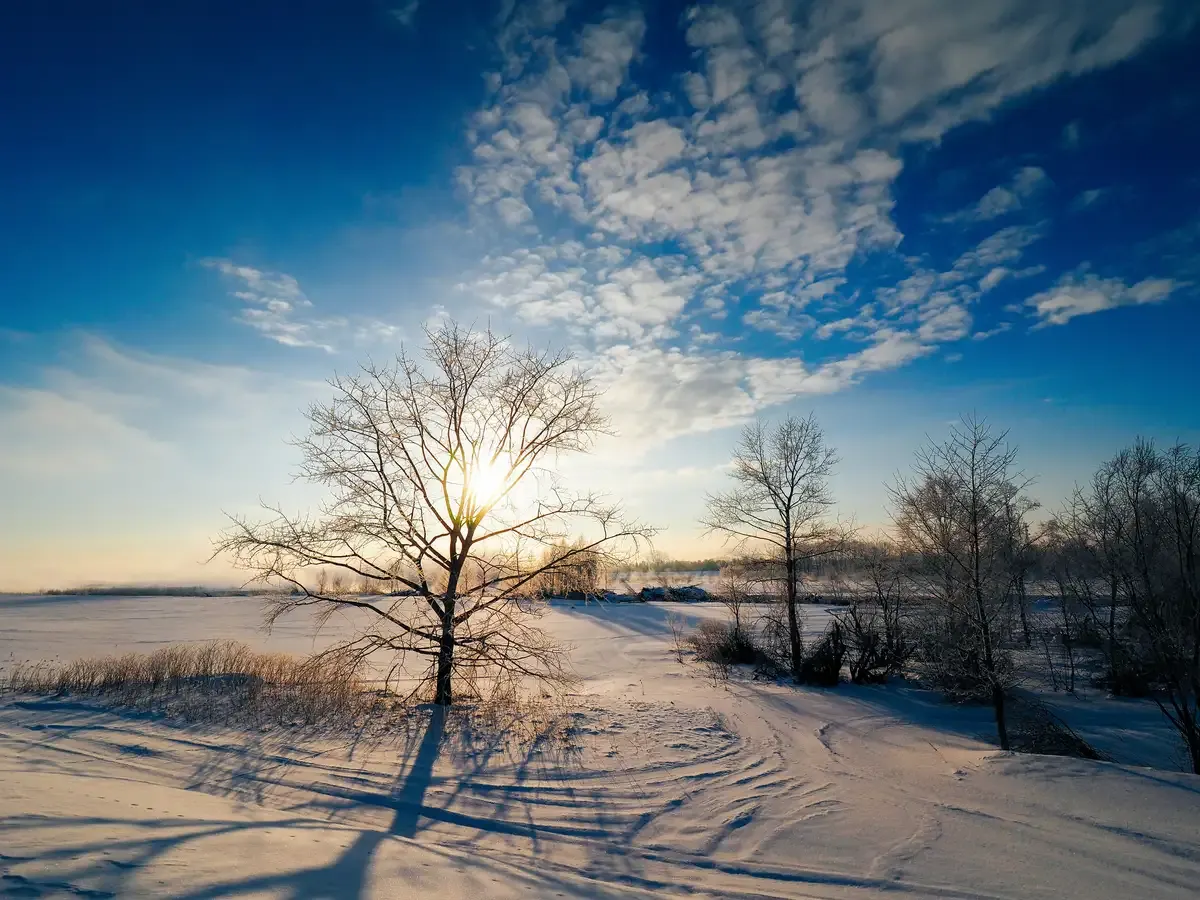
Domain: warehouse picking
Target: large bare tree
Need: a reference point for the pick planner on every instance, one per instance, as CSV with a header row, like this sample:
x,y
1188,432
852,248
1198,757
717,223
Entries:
x,y
782,504
957,512
442,484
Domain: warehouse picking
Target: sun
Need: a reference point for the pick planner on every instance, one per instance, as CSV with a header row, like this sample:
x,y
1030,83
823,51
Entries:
x,y
488,479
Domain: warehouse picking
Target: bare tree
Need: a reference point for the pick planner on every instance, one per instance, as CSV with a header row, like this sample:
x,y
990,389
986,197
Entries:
x,y
781,504
1139,523
734,592
1022,549
439,484
957,511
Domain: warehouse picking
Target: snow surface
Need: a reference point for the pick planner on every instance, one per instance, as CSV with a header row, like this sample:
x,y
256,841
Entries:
x,y
669,784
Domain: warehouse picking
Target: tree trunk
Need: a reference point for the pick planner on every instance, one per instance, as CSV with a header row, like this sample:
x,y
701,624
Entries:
x,y
797,646
998,701
444,696
1193,742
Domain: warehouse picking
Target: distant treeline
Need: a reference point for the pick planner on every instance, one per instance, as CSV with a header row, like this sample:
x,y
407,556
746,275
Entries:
x,y
150,591
676,565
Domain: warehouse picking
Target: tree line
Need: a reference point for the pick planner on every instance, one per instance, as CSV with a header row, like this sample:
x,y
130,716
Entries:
x,y
946,596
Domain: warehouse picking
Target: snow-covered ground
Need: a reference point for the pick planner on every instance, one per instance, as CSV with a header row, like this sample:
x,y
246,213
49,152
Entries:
x,y
666,784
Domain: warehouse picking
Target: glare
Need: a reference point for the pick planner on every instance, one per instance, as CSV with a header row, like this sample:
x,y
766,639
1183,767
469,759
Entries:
x,y
488,479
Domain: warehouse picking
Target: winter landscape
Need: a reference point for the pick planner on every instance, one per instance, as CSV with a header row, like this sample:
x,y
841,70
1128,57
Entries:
x,y
474,449
665,782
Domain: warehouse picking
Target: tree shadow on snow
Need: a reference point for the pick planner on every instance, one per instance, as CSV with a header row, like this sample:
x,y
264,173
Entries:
x,y
490,789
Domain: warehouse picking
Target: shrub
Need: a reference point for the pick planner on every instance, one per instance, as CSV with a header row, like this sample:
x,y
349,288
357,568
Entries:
x,y
1036,729
723,644
951,660
822,666
877,643
1131,674
774,644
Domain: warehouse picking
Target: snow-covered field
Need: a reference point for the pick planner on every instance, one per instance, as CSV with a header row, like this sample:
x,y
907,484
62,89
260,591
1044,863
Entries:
x,y
667,784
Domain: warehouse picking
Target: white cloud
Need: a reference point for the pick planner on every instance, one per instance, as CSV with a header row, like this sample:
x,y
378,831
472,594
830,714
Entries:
x,y
1088,198
405,13
1071,135
275,306
1076,295
1026,183
129,458
937,63
992,332
47,433
605,52
749,188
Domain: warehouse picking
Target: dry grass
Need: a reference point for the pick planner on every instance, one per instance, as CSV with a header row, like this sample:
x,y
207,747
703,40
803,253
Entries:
x,y
227,683
221,681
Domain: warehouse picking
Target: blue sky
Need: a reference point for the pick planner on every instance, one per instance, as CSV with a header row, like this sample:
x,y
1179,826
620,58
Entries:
x,y
888,213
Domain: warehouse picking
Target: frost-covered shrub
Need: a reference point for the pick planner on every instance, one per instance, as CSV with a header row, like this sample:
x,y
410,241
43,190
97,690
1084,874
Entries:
x,y
723,644
951,660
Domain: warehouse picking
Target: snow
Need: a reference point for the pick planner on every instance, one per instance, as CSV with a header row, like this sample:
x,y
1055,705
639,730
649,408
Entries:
x,y
669,784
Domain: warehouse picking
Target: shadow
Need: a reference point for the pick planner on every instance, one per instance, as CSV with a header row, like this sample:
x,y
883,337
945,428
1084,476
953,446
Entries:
x,y
646,619
410,800
101,856
903,704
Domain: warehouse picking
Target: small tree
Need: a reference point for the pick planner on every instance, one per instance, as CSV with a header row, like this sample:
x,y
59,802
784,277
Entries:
x,y
957,512
734,590
781,503
439,485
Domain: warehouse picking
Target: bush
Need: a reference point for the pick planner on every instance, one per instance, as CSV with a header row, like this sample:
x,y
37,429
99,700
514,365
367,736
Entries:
x,y
774,644
1036,729
822,666
722,644
952,661
877,644
1088,634
1131,674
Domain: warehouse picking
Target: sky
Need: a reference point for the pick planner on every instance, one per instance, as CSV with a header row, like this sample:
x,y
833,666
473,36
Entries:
x,y
887,213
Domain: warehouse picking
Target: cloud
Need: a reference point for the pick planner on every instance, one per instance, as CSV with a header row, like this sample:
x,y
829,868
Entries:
x,y
1089,198
132,424
12,336
129,458
604,54
634,209
405,13
1071,135
51,434
992,332
1075,295
1026,183
656,394
276,307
